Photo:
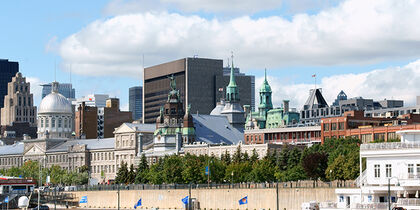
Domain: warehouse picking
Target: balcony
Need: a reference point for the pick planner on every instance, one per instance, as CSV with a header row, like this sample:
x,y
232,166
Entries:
x,y
408,202
390,145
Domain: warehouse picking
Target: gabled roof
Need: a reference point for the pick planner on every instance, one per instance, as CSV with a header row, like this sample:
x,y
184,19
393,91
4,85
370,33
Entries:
x,y
91,144
315,100
14,149
215,129
136,127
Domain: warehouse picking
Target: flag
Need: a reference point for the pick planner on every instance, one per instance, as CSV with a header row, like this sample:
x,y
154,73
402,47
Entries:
x,y
185,200
243,200
313,75
83,199
207,172
6,200
137,204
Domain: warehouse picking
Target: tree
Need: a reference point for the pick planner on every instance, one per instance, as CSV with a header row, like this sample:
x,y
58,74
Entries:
x,y
122,174
254,156
172,169
142,170
336,171
226,159
240,172
131,176
154,174
262,171
314,164
237,156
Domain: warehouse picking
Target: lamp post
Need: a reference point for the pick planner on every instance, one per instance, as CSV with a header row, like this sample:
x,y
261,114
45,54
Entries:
x,y
389,190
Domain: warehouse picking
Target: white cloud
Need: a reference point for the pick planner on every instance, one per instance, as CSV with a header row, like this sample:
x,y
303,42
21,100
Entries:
x,y
36,89
355,32
232,7
390,83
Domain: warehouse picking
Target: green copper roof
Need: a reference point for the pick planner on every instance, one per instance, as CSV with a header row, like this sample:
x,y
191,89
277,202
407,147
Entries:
x,y
232,92
265,88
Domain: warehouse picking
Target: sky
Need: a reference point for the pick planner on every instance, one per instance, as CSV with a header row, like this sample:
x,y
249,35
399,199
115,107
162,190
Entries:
x,y
367,48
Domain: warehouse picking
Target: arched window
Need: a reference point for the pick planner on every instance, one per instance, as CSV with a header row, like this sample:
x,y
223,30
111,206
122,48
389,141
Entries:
x,y
53,122
42,122
65,122
59,122
47,123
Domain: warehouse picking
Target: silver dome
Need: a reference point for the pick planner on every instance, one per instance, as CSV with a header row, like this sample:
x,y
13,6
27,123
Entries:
x,y
55,103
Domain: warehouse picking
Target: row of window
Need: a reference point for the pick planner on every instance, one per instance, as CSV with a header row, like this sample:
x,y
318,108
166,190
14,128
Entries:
x,y
25,111
104,168
55,123
11,161
388,170
102,156
57,158
333,126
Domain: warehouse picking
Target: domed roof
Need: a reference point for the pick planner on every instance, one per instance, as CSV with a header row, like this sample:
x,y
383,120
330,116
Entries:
x,y
219,108
55,102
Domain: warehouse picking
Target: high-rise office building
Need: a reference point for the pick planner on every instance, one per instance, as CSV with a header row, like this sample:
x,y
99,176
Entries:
x,y
135,101
98,100
200,81
65,89
8,70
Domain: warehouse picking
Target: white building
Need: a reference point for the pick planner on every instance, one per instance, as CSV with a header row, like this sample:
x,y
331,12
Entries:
x,y
98,100
392,171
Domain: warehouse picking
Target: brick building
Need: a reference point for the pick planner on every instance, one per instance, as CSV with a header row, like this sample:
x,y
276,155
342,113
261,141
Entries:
x,y
94,122
355,124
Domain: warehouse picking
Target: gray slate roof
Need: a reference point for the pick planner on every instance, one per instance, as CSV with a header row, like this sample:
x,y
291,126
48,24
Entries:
x,y
91,144
216,129
142,127
315,100
14,149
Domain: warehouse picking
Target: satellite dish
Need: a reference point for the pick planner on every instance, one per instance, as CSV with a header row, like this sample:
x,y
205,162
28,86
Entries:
x,y
23,202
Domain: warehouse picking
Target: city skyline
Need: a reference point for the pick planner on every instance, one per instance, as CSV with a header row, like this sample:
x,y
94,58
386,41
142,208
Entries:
x,y
319,35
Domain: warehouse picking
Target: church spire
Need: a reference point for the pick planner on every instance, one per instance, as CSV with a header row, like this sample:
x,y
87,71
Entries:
x,y
232,92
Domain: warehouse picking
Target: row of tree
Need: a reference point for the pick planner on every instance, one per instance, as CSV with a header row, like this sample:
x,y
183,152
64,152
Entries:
x,y
31,169
336,159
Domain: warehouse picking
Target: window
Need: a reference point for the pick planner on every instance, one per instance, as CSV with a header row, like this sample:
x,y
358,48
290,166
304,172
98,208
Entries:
x,y
418,169
59,122
333,126
388,170
42,122
65,122
377,170
410,169
47,123
379,136
341,126
326,126
53,122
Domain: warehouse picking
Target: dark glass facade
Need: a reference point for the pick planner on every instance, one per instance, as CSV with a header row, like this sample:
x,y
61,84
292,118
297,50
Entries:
x,y
135,101
8,70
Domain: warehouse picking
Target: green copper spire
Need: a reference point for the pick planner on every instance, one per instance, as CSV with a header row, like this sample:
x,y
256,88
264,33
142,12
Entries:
x,y
266,103
265,88
232,92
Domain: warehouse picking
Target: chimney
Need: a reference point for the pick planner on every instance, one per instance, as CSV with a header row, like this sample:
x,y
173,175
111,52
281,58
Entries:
x,y
140,144
26,137
286,106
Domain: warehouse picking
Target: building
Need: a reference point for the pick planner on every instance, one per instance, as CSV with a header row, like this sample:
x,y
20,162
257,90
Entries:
x,y
93,122
367,129
135,102
97,100
65,89
55,116
200,82
393,108
18,103
8,69
316,107
268,117
390,178
218,150
285,135
242,80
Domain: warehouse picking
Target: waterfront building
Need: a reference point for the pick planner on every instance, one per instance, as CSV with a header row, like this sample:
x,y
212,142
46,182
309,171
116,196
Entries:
x,y
65,89
390,178
303,135
135,102
8,69
201,83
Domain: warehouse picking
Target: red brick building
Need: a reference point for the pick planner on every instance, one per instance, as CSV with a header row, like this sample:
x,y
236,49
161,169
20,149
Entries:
x,y
307,134
367,129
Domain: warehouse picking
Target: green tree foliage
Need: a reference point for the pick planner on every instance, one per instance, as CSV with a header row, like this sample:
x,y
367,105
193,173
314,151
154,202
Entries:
x,y
172,169
142,170
314,164
122,174
262,171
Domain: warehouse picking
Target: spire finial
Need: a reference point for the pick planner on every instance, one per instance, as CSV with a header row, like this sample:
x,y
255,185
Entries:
x,y
265,74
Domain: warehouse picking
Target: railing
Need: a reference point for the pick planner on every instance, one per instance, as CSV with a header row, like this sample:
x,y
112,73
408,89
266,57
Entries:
x,y
390,145
408,202
299,184
370,206
361,179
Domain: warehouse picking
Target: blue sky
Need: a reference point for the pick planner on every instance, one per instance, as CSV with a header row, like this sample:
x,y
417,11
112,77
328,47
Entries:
x,y
366,48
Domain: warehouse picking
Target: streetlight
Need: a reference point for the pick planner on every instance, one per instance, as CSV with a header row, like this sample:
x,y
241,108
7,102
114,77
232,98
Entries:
x,y
389,190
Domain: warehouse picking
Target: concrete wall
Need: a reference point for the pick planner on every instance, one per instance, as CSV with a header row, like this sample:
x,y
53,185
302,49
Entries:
x,y
289,198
